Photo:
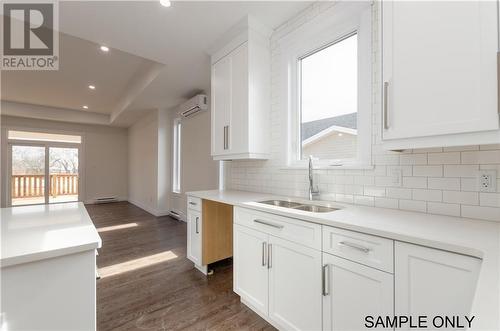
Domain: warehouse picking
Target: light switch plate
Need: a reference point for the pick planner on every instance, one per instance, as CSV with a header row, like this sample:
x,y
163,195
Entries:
x,y
397,176
487,181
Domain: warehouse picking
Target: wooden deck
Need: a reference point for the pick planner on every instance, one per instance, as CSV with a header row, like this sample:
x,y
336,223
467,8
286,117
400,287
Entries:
x,y
148,284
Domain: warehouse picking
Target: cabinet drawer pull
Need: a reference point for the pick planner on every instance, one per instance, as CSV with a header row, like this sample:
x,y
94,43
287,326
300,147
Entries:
x,y
277,226
325,277
196,223
355,246
269,256
192,203
264,246
385,119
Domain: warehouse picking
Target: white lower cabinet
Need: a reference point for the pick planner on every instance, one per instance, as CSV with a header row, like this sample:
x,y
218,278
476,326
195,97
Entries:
x,y
279,279
194,228
433,282
352,292
280,272
294,285
250,267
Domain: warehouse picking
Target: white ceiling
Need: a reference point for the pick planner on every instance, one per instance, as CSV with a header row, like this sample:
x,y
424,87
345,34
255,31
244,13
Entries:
x,y
81,64
178,37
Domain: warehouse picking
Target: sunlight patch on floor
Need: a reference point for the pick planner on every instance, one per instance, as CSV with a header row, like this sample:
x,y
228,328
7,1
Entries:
x,y
117,227
131,265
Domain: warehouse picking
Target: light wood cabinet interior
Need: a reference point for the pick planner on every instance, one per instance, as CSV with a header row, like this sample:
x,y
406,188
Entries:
x,y
217,231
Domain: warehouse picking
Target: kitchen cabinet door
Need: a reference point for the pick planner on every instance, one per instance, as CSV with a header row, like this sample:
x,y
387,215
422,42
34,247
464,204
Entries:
x,y
439,68
239,117
221,105
250,267
294,285
352,291
194,236
430,281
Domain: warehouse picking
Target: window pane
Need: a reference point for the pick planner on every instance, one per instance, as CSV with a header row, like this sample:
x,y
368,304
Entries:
x,y
63,169
329,93
176,182
28,175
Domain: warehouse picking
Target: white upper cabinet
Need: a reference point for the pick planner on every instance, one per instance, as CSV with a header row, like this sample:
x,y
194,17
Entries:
x,y
439,68
241,95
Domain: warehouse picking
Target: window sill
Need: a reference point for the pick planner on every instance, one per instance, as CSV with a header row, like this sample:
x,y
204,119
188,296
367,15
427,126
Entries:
x,y
330,167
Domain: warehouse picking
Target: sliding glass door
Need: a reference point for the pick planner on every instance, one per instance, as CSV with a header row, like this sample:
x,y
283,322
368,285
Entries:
x,y
44,167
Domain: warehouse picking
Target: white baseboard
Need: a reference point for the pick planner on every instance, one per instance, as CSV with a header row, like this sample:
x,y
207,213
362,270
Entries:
x,y
149,209
92,201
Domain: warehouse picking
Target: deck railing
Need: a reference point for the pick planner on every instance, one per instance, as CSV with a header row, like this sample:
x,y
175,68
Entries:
x,y
30,186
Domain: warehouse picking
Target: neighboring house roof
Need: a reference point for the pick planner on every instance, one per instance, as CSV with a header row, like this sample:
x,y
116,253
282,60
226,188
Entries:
x,y
326,132
348,121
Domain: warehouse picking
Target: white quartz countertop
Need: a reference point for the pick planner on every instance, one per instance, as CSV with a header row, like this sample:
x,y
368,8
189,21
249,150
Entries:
x,y
459,235
32,233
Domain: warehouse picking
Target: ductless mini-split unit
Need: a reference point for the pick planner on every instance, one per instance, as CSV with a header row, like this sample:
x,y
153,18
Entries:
x,y
194,105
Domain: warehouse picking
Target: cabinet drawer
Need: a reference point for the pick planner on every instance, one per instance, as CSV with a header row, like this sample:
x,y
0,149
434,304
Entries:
x,y
301,232
366,249
194,203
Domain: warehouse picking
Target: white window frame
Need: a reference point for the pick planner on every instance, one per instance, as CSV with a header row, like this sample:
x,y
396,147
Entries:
x,y
176,156
339,22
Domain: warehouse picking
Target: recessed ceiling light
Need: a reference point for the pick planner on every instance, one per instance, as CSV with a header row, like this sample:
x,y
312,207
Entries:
x,y
92,87
340,134
85,107
104,48
165,3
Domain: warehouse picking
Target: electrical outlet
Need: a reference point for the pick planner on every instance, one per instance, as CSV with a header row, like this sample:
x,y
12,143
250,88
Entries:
x,y
487,181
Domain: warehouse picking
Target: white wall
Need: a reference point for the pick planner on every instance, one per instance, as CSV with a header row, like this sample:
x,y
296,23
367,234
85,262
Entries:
x,y
438,180
105,155
143,163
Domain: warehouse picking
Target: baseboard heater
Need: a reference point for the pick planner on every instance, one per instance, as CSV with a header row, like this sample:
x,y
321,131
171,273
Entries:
x,y
106,200
175,215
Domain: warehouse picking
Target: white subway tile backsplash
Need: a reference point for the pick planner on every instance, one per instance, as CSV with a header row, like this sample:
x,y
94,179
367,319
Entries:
x,y
386,203
479,212
428,171
427,195
481,157
440,183
411,159
398,193
440,180
450,209
460,170
467,198
489,199
413,205
415,182
444,158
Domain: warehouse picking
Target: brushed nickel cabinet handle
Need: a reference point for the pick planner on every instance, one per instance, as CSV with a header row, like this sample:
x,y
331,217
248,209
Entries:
x,y
278,226
264,246
355,246
196,223
226,137
192,203
385,119
324,280
269,256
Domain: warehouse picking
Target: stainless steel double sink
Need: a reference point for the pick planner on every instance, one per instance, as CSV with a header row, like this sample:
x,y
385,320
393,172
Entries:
x,y
299,206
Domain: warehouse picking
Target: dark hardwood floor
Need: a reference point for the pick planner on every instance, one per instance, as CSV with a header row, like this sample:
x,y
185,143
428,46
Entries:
x,y
148,283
